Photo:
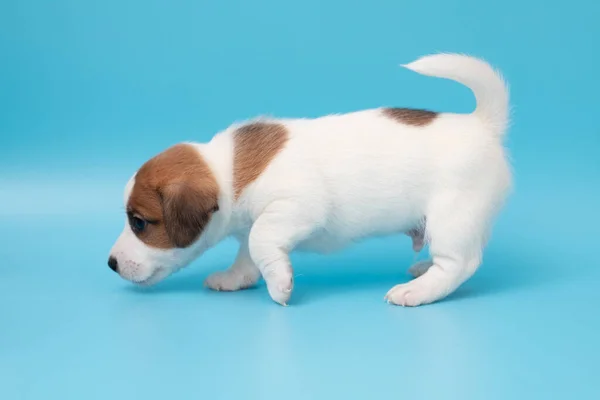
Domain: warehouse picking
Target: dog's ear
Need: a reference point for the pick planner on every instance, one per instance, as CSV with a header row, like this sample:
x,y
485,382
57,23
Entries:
x,y
187,211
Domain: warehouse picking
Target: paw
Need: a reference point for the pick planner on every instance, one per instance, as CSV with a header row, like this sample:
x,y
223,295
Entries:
x,y
280,287
231,280
429,287
409,294
420,268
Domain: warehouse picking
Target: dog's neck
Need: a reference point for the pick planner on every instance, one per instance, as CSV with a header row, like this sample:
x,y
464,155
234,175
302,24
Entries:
x,y
219,154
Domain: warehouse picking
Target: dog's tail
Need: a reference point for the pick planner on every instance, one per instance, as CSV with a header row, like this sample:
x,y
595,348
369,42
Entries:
x,y
490,89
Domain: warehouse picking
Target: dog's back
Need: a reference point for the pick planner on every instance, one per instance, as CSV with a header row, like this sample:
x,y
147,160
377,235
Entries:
x,y
379,171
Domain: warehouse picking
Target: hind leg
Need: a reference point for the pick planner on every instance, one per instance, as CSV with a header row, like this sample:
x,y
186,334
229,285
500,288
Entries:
x,y
456,232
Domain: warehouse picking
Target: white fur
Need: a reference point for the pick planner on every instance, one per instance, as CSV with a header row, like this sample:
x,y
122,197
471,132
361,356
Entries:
x,y
341,178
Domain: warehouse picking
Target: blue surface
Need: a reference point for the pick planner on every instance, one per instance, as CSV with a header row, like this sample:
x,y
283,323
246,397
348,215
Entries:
x,y
89,90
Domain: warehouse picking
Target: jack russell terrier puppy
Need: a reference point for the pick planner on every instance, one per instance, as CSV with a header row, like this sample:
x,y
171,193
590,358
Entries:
x,y
321,184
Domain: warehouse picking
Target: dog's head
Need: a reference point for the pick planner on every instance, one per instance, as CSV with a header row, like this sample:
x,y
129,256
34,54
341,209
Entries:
x,y
171,205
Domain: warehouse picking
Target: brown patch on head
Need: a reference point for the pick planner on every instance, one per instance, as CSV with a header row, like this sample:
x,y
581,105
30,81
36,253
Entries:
x,y
176,193
410,116
255,145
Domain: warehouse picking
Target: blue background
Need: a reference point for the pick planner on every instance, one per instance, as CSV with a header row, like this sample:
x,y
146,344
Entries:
x,y
90,90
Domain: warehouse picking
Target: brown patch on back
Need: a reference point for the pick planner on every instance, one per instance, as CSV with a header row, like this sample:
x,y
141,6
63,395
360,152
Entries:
x,y
177,193
410,116
255,145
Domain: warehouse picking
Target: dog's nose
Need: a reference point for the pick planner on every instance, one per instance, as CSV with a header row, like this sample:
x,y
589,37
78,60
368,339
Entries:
x,y
113,264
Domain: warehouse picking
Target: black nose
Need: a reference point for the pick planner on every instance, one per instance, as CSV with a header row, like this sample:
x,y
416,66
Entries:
x,y
113,264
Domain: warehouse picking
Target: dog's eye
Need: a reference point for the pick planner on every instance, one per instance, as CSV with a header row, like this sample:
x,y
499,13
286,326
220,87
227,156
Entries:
x,y
137,224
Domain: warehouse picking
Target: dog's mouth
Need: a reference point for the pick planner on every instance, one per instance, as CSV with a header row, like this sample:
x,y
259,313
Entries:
x,y
156,276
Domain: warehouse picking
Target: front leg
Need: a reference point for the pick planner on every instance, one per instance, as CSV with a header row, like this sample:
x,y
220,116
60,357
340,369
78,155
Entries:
x,y
241,275
274,234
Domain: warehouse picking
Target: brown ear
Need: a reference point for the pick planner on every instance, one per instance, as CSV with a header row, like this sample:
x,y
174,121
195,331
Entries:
x,y
187,211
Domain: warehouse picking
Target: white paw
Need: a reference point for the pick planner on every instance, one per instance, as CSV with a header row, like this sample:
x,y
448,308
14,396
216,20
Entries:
x,y
280,287
231,280
420,268
409,294
429,287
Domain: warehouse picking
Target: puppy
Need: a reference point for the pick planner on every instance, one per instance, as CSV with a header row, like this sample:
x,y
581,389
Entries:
x,y
318,185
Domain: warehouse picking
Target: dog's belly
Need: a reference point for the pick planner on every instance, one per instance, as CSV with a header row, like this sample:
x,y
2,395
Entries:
x,y
336,237
323,243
